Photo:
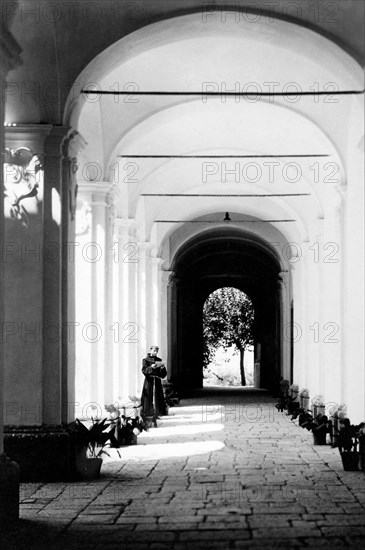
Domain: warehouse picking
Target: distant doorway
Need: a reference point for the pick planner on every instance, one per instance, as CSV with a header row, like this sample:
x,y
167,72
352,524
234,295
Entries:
x,y
228,338
212,260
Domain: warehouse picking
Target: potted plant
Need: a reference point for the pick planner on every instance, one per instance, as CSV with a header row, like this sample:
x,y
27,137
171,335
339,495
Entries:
x,y
90,445
283,395
305,419
294,391
347,445
292,399
304,399
336,414
318,405
297,414
320,429
137,406
361,437
127,429
170,394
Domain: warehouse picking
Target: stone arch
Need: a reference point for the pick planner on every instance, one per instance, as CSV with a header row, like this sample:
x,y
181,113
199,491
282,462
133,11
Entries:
x,y
216,258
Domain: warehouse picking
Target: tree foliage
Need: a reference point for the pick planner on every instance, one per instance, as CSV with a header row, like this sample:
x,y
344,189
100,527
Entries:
x,y
227,320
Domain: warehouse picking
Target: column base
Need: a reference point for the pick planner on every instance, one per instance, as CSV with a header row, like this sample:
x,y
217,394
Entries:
x,y
42,452
9,492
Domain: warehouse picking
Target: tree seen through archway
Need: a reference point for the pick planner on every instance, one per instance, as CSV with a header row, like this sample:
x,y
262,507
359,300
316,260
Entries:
x,y
228,317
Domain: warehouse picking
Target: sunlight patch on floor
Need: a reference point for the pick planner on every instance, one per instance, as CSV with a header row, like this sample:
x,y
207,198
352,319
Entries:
x,y
164,450
164,431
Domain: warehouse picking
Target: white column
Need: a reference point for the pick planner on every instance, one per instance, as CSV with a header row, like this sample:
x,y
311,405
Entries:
x,y
93,330
143,300
127,330
155,306
353,380
300,365
313,290
109,378
331,331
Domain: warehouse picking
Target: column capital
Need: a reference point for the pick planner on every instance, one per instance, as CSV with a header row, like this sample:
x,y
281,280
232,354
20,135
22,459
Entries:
x,y
156,261
172,278
124,227
145,246
283,278
97,193
54,145
73,143
149,250
165,276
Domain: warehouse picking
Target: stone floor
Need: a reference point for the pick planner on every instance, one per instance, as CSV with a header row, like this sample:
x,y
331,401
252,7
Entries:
x,y
225,470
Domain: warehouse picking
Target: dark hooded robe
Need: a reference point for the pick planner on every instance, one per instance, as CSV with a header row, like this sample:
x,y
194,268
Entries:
x,y
152,399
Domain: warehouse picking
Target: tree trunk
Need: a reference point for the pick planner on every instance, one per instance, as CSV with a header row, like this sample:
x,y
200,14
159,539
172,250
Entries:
x,y
242,368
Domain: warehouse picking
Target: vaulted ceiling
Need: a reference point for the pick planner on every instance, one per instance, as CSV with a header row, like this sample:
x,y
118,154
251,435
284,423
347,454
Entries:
x,y
60,38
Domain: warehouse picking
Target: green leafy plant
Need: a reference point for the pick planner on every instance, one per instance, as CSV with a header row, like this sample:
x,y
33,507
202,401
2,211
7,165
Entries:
x,y
127,429
96,439
347,437
348,441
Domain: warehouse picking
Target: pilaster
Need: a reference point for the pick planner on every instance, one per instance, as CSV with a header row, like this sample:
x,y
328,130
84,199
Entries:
x,y
127,335
312,330
93,286
9,471
172,324
300,364
285,323
26,253
55,279
353,269
331,265
164,320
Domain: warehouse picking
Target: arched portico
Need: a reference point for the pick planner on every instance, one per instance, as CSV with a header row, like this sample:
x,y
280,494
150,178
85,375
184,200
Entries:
x,y
287,168
158,181
282,151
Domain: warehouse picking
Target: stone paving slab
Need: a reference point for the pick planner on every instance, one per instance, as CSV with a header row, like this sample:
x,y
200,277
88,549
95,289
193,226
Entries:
x,y
234,474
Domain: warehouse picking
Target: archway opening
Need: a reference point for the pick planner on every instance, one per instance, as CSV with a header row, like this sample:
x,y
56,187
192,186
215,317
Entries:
x,y
228,338
215,259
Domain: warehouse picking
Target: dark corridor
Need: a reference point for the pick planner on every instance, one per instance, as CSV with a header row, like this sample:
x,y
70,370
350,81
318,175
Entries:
x,y
218,258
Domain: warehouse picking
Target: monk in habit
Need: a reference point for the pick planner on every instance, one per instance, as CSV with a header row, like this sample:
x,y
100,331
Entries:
x,y
152,399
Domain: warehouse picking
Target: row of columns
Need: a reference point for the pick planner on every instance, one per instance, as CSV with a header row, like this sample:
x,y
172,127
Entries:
x,y
136,293
120,302
318,296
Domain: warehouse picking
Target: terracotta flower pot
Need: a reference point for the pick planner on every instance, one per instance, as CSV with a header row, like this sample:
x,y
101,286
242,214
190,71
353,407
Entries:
x,y
362,452
350,461
319,438
89,468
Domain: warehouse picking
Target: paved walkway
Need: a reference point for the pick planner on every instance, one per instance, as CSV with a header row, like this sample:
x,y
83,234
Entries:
x,y
224,471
